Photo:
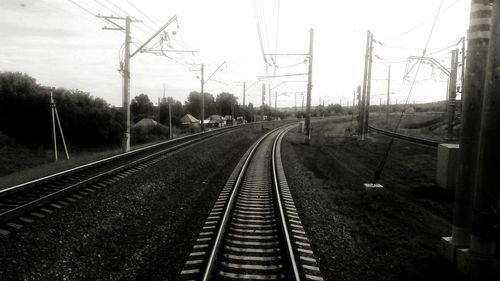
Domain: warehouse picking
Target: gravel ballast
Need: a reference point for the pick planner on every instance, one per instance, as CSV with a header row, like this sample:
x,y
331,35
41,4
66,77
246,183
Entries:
x,y
139,228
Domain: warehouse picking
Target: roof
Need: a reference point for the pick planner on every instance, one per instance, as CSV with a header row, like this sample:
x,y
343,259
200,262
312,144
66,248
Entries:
x,y
188,119
146,122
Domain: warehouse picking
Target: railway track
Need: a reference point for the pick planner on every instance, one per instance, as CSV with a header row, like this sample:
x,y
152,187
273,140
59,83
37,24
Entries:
x,y
253,231
422,141
24,203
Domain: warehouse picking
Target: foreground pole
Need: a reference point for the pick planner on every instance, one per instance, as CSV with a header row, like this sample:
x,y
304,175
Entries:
x,y
485,216
368,87
52,106
472,98
202,98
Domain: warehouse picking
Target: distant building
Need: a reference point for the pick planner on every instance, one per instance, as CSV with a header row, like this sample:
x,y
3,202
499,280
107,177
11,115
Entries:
x,y
188,121
215,121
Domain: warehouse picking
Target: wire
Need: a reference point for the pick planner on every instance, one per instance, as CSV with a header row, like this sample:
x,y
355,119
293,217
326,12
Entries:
x,y
419,25
378,172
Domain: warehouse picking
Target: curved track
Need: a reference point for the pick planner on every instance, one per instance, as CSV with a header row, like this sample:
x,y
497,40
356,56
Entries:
x,y
25,202
253,231
405,137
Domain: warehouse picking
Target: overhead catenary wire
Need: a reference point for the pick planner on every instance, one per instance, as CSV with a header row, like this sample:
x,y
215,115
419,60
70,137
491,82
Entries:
x,y
380,168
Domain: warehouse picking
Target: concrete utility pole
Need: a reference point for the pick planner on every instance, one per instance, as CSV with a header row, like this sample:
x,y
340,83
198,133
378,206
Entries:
x,y
244,86
361,117
170,120
276,105
463,66
295,103
388,94
302,108
485,238
125,68
472,99
452,88
262,107
126,88
309,83
202,98
368,87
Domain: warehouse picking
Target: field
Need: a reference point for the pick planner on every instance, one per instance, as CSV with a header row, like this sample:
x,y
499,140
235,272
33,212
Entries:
x,y
392,235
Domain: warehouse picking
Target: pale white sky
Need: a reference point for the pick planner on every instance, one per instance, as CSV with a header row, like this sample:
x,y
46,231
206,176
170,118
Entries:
x,y
60,44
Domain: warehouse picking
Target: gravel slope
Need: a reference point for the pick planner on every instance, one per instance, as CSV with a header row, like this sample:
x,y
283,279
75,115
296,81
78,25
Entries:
x,y
140,228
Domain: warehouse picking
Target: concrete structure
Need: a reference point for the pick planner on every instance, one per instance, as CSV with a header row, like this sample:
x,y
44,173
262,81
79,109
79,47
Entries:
x,y
447,165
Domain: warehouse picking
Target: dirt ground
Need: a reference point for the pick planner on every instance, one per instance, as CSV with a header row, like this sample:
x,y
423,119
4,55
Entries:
x,y
393,235
139,228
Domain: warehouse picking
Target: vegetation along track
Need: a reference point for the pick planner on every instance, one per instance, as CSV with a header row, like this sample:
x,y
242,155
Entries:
x,y
23,203
253,231
405,137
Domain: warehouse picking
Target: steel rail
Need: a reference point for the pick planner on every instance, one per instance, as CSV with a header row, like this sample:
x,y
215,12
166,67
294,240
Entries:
x,y
207,275
44,179
284,229
422,141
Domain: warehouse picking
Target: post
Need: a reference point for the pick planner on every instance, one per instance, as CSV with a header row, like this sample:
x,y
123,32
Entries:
x,y
202,99
244,88
463,66
170,121
52,105
363,90
270,100
262,106
302,108
452,92
126,89
61,132
159,110
295,103
484,237
276,105
472,98
368,88
309,83
388,94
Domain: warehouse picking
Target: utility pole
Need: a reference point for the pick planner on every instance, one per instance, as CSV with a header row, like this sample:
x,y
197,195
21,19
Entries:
x,y
159,110
202,98
485,239
244,86
302,108
309,84
361,122
54,111
452,88
262,107
295,102
126,88
472,99
125,69
388,94
52,105
463,66
368,87
276,105
170,120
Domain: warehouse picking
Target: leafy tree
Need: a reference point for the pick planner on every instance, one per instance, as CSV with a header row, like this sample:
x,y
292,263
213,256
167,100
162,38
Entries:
x,y
225,103
176,109
193,105
141,107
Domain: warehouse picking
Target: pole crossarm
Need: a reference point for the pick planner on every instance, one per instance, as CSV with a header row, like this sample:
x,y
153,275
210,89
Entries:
x,y
286,54
284,75
433,61
174,18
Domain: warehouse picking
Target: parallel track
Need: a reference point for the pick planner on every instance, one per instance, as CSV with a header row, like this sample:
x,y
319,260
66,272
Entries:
x,y
405,137
41,196
253,231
